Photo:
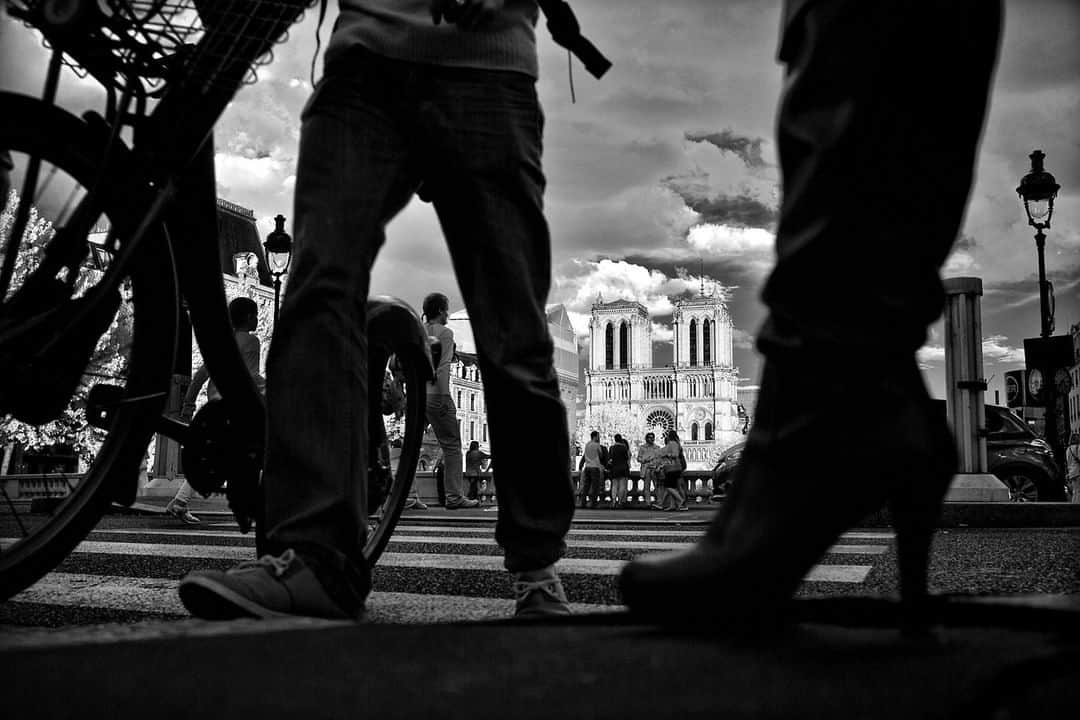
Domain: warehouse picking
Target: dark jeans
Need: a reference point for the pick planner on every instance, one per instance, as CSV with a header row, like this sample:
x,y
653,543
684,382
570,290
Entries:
x,y
592,485
373,129
878,128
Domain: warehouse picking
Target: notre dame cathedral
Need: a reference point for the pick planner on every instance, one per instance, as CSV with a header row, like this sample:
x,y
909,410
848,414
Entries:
x,y
695,395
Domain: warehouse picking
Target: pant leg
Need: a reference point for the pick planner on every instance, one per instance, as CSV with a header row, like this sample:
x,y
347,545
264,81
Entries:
x,y
352,177
488,193
877,132
442,414
184,493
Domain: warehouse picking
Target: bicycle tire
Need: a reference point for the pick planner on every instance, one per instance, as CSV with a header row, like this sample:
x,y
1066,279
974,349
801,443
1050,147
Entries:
x,y
31,126
415,371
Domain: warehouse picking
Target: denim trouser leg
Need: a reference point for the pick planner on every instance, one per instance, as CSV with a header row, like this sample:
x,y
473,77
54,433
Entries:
x,y
351,179
488,193
878,129
442,415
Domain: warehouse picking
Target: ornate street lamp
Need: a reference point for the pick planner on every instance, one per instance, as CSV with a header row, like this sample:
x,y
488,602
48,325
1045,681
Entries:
x,y
278,256
1038,189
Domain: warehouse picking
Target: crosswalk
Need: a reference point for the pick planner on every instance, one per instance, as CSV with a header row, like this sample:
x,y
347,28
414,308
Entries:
x,y
438,571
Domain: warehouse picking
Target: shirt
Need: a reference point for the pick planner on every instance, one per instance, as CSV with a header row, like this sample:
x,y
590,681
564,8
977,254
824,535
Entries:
x,y
473,459
403,30
592,456
437,332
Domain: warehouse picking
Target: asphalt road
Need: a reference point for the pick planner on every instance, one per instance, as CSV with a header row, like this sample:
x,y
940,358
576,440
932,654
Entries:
x,y
442,568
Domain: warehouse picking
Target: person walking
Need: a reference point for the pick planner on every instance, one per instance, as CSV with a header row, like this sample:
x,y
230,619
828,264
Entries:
x,y
441,411
591,471
672,463
439,96
474,460
652,480
244,316
1072,467
619,466
869,165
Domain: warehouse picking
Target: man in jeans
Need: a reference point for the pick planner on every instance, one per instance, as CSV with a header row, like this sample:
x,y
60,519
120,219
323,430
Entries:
x,y
408,97
441,412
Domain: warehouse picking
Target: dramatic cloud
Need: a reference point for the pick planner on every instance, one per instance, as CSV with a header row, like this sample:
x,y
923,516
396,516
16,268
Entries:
x,y
741,210
748,149
582,283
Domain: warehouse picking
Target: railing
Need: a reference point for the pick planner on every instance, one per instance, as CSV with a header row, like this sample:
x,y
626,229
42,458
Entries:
x,y
698,485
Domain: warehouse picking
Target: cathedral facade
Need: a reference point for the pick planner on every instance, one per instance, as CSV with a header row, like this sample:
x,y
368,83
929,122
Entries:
x,y
695,395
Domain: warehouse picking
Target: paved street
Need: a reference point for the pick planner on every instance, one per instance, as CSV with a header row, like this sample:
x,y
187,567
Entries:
x,y
444,566
104,635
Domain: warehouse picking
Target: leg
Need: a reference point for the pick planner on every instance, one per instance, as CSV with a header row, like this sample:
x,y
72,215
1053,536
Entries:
x,y
489,198
442,415
869,161
352,177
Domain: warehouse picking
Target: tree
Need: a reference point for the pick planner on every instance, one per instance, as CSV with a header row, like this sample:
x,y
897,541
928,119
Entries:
x,y
609,419
108,362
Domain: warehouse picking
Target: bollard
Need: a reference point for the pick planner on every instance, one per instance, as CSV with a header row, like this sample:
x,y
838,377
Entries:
x,y
965,390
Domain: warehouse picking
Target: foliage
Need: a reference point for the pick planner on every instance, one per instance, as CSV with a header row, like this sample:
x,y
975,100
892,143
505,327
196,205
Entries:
x,y
108,362
609,419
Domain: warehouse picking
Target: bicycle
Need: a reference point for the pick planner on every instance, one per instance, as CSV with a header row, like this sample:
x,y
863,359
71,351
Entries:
x,y
89,329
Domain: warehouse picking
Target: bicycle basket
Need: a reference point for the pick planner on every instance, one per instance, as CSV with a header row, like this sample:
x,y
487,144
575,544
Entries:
x,y
142,45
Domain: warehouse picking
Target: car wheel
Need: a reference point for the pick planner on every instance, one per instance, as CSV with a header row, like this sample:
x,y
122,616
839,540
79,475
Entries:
x,y
1023,484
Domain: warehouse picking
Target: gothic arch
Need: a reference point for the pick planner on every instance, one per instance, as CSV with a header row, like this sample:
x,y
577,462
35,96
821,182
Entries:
x,y
609,346
693,431
624,344
693,341
706,344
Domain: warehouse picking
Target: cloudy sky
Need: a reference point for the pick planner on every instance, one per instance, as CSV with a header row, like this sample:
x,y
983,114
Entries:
x,y
664,173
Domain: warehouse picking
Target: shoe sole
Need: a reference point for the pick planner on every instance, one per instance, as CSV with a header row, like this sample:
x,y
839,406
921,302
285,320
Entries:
x,y
210,600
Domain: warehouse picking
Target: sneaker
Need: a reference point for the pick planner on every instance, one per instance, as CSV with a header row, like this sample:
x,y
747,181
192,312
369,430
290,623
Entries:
x,y
264,588
682,508
415,504
539,593
180,512
461,504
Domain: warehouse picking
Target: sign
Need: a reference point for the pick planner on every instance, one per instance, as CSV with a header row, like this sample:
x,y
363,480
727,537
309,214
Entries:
x,y
1016,388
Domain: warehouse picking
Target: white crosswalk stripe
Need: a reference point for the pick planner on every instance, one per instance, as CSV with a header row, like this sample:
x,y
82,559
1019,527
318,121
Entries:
x,y
595,555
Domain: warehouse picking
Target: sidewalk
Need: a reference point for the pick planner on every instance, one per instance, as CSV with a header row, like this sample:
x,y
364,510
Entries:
x,y
953,515
989,662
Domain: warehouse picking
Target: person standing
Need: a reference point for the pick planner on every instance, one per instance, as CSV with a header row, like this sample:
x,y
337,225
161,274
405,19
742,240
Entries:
x,y
474,460
441,411
646,456
619,465
672,463
591,470
1072,467
440,93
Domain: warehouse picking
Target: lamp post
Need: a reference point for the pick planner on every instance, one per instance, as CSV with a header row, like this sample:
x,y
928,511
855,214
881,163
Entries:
x,y
278,256
1037,190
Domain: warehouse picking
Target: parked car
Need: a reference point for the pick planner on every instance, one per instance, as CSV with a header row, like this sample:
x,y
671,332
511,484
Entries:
x,y
1014,453
722,471
1021,459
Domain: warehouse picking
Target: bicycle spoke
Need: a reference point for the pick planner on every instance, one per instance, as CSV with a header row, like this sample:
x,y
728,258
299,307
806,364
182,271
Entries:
x,y
14,512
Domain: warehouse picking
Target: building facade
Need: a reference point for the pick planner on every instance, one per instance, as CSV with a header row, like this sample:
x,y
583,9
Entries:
x,y
696,395
467,386
1074,376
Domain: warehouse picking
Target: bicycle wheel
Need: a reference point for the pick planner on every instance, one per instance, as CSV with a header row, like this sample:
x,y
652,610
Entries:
x,y
399,369
122,374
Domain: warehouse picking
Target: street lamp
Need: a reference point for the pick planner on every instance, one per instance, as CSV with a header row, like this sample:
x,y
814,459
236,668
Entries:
x,y
278,255
1038,189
